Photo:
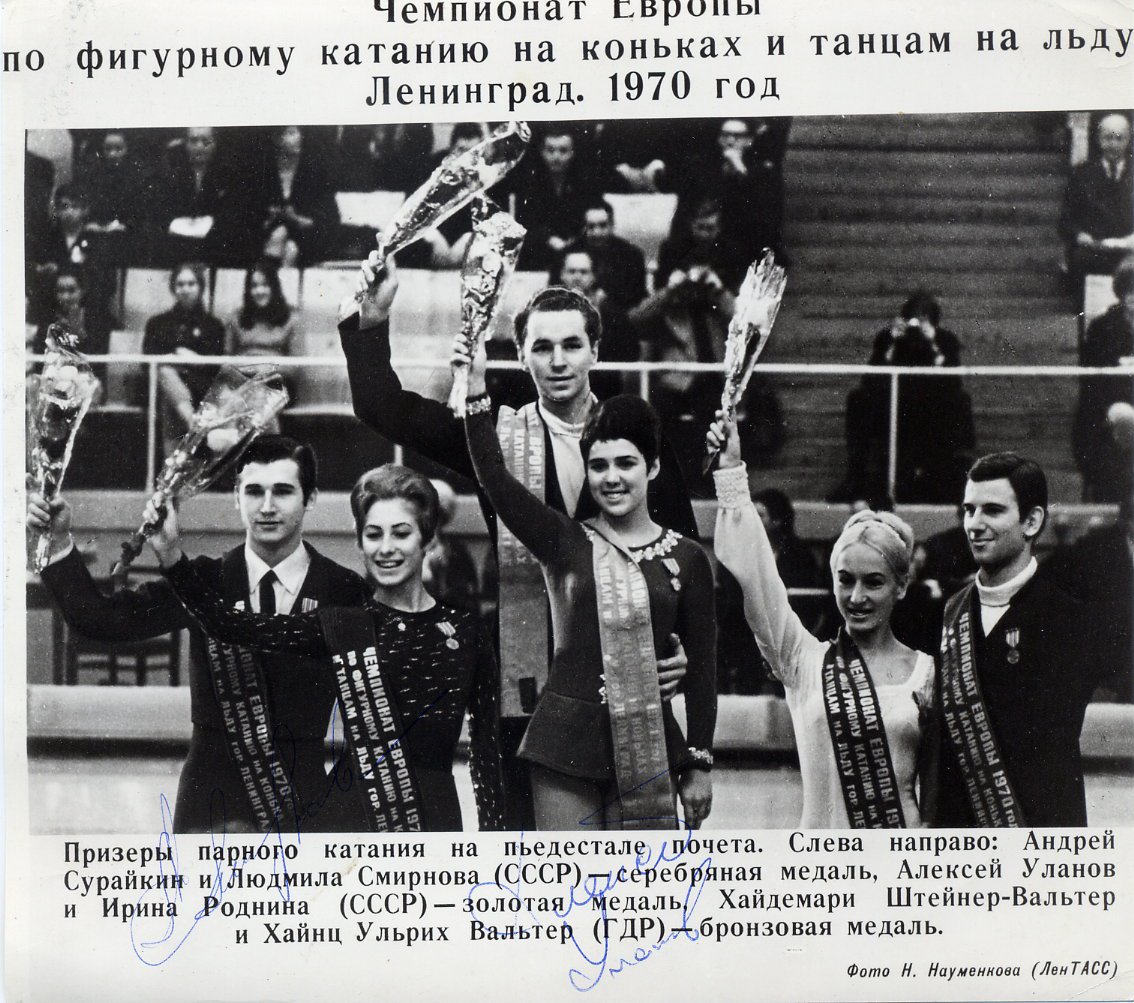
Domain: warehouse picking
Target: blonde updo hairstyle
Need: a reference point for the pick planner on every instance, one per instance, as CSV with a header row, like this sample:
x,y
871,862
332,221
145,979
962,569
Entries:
x,y
884,533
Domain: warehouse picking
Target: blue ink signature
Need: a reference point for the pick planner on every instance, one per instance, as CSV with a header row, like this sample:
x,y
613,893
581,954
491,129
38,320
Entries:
x,y
167,942
594,887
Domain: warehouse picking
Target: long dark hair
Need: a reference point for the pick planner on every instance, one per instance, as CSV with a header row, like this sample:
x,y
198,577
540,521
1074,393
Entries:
x,y
277,312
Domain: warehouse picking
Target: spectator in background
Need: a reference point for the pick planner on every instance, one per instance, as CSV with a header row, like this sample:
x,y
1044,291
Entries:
x,y
619,266
295,202
203,210
1097,220
39,182
551,199
643,155
574,268
121,200
265,324
84,315
67,240
935,435
949,563
1108,340
696,240
187,329
686,320
390,158
449,572
748,190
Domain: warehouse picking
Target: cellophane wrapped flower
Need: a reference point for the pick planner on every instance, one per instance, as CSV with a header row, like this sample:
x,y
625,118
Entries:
x,y
757,304
239,405
489,263
456,181
58,398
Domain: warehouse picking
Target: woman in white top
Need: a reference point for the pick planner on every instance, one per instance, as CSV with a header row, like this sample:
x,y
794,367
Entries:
x,y
862,705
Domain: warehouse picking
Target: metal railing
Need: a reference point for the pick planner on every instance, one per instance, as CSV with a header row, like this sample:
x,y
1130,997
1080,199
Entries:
x,y
646,372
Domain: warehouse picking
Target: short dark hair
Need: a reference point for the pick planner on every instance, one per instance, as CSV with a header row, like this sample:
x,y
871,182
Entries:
x,y
72,191
557,299
1026,477
1123,277
466,130
597,204
623,417
922,304
391,480
269,448
779,507
555,272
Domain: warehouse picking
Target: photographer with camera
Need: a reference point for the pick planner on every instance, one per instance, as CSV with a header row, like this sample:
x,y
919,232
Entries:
x,y
935,420
686,320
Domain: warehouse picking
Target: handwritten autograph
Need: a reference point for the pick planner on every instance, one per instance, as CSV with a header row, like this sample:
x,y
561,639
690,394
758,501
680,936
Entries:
x,y
156,948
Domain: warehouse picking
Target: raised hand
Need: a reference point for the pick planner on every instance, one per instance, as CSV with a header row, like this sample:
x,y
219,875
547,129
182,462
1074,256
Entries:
x,y
722,437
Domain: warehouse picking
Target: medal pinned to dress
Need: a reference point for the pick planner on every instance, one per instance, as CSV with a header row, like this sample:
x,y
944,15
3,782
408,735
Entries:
x,y
1012,636
674,570
449,631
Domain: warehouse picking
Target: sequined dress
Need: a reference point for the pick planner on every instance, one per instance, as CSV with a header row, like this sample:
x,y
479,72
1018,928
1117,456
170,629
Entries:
x,y
440,663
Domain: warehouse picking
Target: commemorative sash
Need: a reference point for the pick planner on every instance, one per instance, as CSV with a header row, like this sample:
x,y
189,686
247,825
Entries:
x,y
372,722
987,785
238,681
858,738
523,595
630,679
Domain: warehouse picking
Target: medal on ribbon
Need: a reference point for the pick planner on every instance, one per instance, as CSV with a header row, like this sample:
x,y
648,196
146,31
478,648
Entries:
x,y
1012,636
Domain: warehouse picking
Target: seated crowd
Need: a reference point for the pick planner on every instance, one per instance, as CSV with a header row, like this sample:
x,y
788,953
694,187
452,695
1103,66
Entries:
x,y
262,200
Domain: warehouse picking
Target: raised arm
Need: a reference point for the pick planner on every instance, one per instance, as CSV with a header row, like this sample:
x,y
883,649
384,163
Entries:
x,y
741,545
485,755
136,614
379,399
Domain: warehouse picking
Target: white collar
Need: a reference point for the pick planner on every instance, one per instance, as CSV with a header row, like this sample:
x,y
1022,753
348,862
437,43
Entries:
x,y
291,571
1001,595
557,426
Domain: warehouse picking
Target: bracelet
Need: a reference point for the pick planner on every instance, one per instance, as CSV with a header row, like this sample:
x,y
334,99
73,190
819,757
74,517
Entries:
x,y
479,404
700,759
732,487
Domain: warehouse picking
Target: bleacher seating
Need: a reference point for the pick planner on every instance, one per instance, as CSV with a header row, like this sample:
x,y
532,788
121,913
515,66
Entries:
x,y
370,209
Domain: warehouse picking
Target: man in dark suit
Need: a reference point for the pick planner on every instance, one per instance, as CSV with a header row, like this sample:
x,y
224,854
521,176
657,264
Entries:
x,y
283,782
619,266
1097,219
1017,671
557,338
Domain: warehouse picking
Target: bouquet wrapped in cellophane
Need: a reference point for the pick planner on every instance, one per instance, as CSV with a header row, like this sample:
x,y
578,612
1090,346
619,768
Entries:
x,y
457,179
58,398
238,406
489,263
757,304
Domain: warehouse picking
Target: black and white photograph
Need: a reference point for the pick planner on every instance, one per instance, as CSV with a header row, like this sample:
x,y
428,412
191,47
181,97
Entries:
x,y
731,471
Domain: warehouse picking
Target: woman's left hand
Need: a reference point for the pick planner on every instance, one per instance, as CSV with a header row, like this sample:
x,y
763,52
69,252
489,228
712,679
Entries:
x,y
476,364
696,792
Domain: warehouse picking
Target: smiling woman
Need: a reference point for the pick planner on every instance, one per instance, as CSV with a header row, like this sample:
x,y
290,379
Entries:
x,y
604,748
407,667
863,705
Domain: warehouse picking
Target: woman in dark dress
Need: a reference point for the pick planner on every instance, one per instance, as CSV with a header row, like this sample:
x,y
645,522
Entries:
x,y
408,667
602,743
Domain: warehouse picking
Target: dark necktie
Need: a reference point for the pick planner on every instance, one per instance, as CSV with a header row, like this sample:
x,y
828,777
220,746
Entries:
x,y
268,594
